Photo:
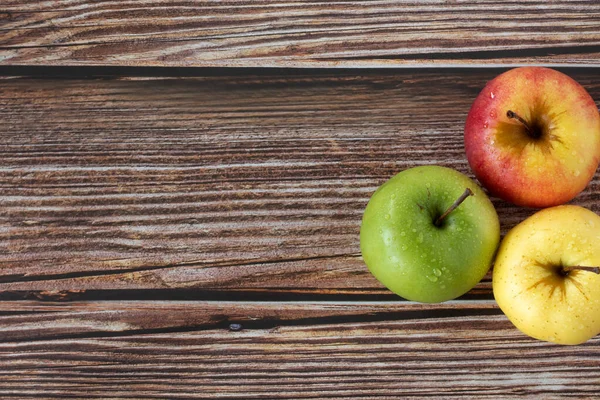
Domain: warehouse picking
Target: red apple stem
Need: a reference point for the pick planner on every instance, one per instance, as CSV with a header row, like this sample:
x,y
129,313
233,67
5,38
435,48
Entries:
x,y
513,115
468,192
566,270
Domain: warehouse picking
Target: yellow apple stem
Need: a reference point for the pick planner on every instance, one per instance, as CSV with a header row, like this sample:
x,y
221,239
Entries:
x,y
595,270
468,192
513,115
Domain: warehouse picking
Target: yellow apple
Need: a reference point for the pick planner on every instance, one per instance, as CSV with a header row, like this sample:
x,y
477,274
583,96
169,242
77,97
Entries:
x,y
545,277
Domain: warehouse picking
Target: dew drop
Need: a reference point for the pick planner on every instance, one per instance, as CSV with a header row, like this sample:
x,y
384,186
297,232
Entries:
x,y
402,233
393,196
493,114
404,247
387,216
437,272
420,238
414,230
428,184
486,125
492,95
577,173
432,278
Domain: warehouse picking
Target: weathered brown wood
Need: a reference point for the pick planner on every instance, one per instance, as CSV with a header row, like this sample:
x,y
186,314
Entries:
x,y
187,350
22,321
299,33
234,183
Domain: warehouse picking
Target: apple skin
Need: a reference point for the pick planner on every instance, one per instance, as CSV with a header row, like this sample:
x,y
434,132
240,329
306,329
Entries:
x,y
527,282
413,257
533,172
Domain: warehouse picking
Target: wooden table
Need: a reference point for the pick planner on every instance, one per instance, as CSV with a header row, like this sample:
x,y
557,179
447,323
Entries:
x,y
182,184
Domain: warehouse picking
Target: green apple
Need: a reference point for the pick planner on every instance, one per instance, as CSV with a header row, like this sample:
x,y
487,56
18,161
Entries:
x,y
545,278
429,234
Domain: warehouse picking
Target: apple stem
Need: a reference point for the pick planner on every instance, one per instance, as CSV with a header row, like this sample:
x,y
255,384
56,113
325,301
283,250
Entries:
x,y
566,270
513,115
468,192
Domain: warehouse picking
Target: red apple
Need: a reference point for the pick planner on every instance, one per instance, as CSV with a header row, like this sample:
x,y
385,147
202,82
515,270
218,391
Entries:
x,y
532,137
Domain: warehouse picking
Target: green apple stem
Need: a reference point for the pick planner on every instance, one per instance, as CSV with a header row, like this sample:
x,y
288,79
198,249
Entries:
x,y
566,270
468,192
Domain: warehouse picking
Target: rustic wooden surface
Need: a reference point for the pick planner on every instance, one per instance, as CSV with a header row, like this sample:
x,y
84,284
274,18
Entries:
x,y
299,33
192,233
294,350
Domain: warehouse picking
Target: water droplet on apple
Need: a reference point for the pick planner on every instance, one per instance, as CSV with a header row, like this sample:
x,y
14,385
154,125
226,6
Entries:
x,y
485,125
428,184
493,114
420,238
577,173
380,231
492,95
414,230
402,233
387,216
437,272
404,247
432,278
393,196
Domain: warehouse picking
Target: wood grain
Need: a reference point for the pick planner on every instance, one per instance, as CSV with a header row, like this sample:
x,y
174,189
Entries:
x,y
299,33
354,350
247,183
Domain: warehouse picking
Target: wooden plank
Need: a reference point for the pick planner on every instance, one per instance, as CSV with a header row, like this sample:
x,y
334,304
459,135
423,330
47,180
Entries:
x,y
188,350
248,183
299,33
